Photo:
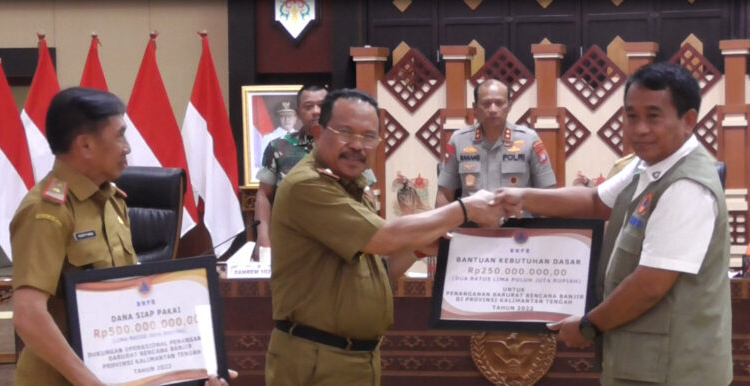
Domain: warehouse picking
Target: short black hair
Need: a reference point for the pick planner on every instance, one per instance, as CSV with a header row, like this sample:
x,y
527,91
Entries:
x,y
476,89
311,87
326,110
681,84
75,111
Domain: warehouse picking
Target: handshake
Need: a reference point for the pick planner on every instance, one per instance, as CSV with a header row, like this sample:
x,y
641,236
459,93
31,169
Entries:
x,y
490,209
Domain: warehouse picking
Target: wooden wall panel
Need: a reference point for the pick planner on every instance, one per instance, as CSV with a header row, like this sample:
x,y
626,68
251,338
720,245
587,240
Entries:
x,y
278,54
577,24
387,27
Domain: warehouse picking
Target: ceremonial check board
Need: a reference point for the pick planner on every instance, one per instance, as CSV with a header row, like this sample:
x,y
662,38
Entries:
x,y
516,278
148,324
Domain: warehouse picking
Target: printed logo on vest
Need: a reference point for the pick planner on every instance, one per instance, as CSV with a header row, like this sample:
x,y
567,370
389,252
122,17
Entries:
x,y
645,204
636,222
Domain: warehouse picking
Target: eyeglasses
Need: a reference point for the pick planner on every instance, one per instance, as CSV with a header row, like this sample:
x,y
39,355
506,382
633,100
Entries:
x,y
369,140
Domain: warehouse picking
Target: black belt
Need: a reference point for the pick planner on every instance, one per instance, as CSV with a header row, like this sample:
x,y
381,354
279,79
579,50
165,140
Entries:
x,y
325,338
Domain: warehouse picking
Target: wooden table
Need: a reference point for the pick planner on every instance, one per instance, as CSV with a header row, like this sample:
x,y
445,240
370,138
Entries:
x,y
413,354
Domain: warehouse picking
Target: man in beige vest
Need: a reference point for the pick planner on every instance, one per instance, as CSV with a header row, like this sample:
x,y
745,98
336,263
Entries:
x,y
665,312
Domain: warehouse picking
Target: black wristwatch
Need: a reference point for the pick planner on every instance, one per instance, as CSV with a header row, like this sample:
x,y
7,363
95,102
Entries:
x,y
588,329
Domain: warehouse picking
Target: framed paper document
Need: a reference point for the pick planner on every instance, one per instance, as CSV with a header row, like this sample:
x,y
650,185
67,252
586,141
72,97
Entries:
x,y
518,277
152,323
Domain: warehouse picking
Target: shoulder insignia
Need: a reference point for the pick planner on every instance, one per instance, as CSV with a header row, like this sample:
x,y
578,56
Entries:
x,y
50,218
478,134
450,151
507,137
56,191
541,152
119,191
327,172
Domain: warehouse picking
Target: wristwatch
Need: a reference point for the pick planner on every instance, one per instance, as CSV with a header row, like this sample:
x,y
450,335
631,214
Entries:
x,y
588,329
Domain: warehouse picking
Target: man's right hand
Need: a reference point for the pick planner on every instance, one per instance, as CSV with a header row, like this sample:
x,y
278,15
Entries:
x,y
511,199
483,208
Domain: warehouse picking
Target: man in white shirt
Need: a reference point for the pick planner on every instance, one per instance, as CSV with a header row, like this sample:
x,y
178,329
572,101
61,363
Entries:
x,y
665,311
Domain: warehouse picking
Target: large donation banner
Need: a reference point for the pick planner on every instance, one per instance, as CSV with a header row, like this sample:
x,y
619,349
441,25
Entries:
x,y
156,328
517,277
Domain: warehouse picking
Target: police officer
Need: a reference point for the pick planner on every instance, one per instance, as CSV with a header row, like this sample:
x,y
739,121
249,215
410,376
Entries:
x,y
74,218
331,293
282,154
493,153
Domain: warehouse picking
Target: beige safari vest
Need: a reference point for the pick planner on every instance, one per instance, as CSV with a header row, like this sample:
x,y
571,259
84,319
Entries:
x,y
686,338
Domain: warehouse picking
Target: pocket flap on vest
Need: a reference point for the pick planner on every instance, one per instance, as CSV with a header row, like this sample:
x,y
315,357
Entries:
x,y
638,356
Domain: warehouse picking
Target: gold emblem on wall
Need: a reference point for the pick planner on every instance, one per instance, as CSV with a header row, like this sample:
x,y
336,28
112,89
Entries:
x,y
402,5
544,3
617,3
477,61
693,41
513,358
399,52
616,53
473,4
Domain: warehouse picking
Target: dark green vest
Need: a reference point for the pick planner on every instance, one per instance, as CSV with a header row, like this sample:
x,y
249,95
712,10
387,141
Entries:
x,y
685,339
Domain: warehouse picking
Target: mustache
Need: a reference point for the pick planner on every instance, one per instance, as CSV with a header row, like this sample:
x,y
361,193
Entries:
x,y
354,155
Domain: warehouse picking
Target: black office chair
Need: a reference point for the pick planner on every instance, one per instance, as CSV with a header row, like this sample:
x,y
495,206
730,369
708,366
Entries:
x,y
155,200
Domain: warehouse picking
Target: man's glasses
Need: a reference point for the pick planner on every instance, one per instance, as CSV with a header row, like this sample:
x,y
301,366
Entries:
x,y
369,140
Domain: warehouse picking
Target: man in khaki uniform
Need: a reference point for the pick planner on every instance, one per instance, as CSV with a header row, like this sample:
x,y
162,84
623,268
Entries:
x,y
75,218
331,292
665,315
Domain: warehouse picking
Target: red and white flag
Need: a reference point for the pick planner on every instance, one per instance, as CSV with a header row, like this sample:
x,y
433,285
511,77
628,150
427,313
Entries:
x,y
93,75
211,155
16,173
152,129
44,86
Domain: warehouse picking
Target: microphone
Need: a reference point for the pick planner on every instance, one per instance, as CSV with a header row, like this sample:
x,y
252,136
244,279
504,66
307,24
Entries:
x,y
209,252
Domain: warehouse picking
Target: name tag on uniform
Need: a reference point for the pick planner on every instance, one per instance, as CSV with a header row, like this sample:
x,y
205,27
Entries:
x,y
81,236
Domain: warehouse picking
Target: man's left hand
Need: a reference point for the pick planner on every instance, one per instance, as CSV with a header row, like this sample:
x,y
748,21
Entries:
x,y
214,381
569,332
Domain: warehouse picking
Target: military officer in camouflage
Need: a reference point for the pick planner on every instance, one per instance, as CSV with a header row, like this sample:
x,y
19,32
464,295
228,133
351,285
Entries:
x,y
331,290
282,154
75,218
493,153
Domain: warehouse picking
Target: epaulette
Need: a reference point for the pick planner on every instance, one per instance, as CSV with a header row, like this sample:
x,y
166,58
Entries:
x,y
119,191
56,191
328,172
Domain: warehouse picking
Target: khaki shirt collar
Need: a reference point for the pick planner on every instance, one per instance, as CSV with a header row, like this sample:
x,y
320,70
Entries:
x,y
354,187
78,184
